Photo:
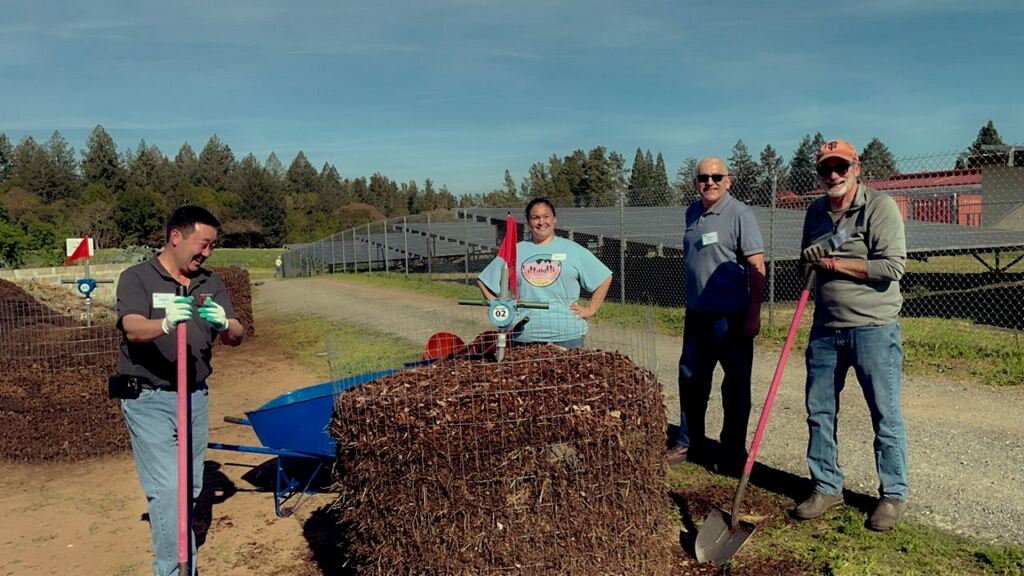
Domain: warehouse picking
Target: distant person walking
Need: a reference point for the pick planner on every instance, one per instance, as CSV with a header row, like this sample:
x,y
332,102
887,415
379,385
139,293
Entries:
x,y
147,313
277,267
723,257
854,238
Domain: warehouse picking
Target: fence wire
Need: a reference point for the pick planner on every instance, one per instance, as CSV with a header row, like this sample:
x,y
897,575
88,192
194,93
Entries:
x,y
963,213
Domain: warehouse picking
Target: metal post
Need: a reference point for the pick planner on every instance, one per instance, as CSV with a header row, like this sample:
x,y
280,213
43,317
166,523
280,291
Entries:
x,y
465,238
88,300
334,261
430,271
622,249
405,241
771,253
344,258
386,267
369,250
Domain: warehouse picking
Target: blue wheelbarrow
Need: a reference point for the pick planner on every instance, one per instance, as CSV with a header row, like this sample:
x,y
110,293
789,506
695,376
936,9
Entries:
x,y
293,427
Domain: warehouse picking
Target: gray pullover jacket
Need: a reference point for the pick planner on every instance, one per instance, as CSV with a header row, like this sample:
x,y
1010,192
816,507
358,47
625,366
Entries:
x,y
876,235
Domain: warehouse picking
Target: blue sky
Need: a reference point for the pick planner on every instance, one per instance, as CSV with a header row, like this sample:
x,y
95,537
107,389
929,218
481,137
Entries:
x,y
460,90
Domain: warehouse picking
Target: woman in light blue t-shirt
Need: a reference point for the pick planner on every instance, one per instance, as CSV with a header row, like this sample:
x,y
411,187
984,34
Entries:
x,y
551,270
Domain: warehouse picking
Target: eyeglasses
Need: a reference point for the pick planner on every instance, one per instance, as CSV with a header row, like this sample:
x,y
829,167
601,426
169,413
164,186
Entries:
x,y
703,178
826,170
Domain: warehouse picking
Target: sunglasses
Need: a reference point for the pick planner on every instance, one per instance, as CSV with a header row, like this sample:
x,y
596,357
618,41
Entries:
x,y
826,170
703,178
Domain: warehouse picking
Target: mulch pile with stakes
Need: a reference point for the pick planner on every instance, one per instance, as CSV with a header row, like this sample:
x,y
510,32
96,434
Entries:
x,y
53,377
53,384
552,462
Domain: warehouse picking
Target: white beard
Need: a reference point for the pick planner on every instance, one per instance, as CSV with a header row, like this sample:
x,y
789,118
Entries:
x,y
842,189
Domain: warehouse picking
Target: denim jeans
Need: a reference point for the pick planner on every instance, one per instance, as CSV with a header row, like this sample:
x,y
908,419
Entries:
x,y
709,339
876,355
152,426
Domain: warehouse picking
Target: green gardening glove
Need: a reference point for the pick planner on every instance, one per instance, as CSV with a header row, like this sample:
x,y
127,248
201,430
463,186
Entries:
x,y
214,314
179,310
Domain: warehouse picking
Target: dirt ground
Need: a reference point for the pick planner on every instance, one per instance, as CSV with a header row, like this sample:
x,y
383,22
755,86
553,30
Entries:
x,y
87,518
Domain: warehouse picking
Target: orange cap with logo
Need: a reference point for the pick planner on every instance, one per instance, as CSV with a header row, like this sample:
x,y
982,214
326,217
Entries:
x,y
837,149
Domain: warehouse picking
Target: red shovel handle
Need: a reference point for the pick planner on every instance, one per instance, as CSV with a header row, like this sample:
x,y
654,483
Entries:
x,y
184,426
794,325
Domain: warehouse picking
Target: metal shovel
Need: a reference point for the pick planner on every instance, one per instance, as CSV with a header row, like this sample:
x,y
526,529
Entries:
x,y
722,535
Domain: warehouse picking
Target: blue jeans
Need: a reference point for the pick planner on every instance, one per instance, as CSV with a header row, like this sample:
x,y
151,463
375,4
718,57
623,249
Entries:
x,y
876,355
709,339
152,426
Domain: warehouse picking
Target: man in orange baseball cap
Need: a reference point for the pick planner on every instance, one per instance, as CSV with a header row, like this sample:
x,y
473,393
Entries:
x,y
853,236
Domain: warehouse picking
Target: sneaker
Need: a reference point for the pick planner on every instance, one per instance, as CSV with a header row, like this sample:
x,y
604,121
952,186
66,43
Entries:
x,y
677,454
816,505
888,512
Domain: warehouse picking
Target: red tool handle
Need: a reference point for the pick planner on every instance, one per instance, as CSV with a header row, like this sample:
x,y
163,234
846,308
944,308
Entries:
x,y
184,425
770,398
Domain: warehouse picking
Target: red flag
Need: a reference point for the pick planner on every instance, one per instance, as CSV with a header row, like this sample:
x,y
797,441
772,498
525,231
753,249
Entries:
x,y
507,252
81,252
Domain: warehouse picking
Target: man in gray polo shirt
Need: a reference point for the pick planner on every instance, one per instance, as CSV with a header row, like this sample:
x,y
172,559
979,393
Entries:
x,y
724,261
147,313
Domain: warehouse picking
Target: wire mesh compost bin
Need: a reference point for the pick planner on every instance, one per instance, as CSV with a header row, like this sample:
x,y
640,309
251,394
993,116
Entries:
x,y
551,462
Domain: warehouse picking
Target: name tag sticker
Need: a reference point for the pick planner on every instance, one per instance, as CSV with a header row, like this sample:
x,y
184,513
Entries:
x,y
558,256
709,239
162,299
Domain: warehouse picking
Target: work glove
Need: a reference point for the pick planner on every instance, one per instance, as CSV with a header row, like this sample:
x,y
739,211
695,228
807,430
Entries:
x,y
179,310
214,314
814,253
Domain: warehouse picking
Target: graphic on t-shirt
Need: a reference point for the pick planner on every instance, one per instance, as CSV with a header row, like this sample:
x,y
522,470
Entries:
x,y
540,270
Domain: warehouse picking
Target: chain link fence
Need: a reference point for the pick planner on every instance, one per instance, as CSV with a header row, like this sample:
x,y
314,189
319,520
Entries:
x,y
963,213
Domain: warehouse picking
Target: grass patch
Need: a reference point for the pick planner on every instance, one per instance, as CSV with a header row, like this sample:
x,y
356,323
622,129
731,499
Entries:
x,y
334,349
839,543
248,258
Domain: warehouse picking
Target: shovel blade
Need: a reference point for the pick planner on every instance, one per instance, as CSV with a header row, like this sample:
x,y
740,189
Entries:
x,y
717,542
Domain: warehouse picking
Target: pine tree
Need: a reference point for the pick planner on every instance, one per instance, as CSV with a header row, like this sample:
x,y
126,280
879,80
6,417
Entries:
x,y
877,162
662,192
187,164
802,175
301,177
100,163
684,183
978,156
773,175
260,202
745,173
61,169
30,165
600,179
640,180
215,164
6,157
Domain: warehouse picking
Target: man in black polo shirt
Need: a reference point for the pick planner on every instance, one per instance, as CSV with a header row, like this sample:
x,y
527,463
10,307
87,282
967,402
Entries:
x,y
147,313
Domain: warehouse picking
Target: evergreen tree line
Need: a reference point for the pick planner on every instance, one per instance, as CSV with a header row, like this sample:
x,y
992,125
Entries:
x,y
600,178
47,193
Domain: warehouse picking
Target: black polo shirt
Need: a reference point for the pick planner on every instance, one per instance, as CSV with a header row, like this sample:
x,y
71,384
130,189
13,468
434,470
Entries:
x,y
145,289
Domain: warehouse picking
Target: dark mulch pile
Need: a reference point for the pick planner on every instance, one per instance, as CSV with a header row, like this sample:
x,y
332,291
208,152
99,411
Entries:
x,y
551,462
236,281
53,375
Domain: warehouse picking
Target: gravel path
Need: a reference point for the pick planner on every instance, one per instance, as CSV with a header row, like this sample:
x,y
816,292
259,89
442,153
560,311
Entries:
x,y
966,441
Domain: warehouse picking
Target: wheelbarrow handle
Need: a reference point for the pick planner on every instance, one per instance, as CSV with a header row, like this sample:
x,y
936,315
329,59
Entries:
x,y
237,420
